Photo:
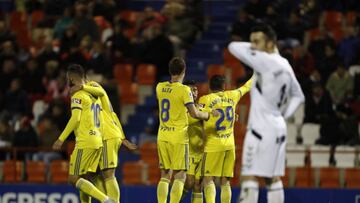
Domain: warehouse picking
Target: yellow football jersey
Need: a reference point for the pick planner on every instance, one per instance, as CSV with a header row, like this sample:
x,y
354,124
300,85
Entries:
x,y
173,98
111,124
195,132
219,130
88,133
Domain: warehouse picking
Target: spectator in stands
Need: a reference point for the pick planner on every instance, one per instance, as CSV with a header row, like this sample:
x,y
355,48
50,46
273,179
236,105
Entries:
x,y
314,78
303,64
5,33
48,133
25,137
292,31
328,63
147,19
47,53
33,5
310,12
317,46
7,74
16,99
6,130
180,29
151,129
57,111
158,50
65,21
98,62
75,56
31,78
318,105
8,51
340,85
119,45
106,8
69,39
57,88
84,24
255,8
348,46
240,29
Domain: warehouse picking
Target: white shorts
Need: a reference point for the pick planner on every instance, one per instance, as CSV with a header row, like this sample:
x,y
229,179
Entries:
x,y
264,153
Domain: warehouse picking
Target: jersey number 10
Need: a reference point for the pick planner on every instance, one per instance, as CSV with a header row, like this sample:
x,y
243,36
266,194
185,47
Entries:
x,y
96,109
229,114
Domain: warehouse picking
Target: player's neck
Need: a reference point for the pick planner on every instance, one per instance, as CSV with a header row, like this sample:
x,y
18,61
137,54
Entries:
x,y
176,79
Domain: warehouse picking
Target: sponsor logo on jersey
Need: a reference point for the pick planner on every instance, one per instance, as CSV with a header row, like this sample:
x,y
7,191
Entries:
x,y
76,101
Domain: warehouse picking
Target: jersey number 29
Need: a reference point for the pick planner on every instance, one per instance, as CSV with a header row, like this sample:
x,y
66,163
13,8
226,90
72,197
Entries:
x,y
229,114
96,109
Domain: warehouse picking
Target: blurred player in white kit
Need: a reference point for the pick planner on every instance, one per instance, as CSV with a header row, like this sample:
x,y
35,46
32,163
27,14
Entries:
x,y
275,96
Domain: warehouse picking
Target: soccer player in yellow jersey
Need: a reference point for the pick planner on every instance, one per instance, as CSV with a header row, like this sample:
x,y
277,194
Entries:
x,y
175,100
219,151
196,150
86,122
113,136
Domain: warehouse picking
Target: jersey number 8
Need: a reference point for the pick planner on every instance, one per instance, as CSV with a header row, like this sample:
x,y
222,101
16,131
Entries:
x,y
96,109
229,114
165,107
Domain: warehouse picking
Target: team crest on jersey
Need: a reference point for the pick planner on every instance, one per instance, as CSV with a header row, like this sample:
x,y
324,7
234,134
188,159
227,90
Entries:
x,y
76,101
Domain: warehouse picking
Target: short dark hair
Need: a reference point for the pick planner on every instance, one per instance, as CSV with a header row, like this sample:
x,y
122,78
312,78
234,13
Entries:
x,y
76,69
189,82
176,66
217,82
268,31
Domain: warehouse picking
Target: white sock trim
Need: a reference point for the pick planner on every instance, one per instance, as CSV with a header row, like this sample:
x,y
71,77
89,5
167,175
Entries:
x,y
276,186
250,184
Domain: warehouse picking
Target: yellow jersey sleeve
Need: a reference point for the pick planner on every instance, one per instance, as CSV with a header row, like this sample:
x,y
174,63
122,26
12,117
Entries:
x,y
246,87
187,96
77,101
71,125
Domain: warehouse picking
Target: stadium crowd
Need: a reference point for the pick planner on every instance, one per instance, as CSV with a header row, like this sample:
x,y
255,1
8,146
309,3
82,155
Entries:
x,y
325,55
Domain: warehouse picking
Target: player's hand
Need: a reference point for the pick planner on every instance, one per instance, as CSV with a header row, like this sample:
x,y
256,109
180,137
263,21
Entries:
x,y
75,88
129,145
215,113
57,145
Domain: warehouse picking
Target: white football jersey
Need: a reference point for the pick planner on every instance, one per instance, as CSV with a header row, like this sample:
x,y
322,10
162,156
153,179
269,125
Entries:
x,y
275,91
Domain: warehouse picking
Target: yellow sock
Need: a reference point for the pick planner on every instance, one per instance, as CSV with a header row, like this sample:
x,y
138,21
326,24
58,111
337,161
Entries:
x,y
176,191
210,193
163,190
84,198
112,188
197,197
87,187
99,183
225,193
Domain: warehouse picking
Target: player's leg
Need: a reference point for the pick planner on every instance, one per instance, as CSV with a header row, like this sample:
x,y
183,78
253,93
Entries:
x,y
83,161
189,183
227,173
164,162
275,193
179,165
210,169
249,185
108,163
178,186
249,190
197,195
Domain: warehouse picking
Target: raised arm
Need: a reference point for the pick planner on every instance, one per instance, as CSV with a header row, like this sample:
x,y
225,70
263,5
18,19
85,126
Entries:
x,y
253,58
246,87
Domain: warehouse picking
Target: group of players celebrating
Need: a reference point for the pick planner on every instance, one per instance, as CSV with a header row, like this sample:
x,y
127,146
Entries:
x,y
196,136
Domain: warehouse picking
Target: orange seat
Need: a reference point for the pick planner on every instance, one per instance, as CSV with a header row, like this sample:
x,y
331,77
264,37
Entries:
x,y
352,178
12,171
329,178
304,177
36,171
154,174
148,153
59,170
70,146
146,74
133,173
285,178
36,17
123,73
337,34
332,19
215,69
129,93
